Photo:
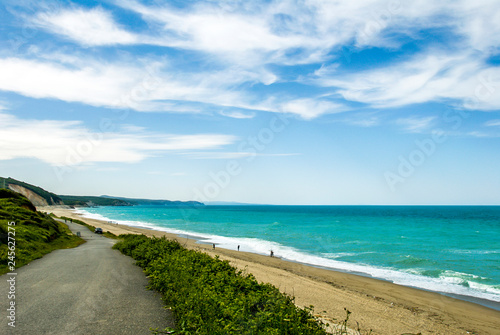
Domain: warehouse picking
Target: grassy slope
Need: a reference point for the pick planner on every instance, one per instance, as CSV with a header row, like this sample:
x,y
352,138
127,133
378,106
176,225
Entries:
x,y
36,234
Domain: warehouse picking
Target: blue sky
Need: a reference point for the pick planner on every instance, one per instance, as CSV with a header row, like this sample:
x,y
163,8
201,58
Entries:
x,y
279,102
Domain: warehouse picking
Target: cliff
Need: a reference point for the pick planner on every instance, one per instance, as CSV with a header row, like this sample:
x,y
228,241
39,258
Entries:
x,y
37,195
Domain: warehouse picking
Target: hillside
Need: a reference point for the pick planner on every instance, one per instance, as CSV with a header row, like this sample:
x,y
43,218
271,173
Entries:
x,y
35,233
89,201
36,195
133,201
40,197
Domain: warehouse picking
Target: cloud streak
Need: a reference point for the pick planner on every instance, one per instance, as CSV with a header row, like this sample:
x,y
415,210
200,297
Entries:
x,y
94,27
69,143
428,77
416,124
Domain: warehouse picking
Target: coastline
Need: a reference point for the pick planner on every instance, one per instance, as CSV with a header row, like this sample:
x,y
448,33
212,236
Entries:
x,y
375,304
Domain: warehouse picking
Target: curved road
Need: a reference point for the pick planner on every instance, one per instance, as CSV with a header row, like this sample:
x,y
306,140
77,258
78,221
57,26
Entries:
x,y
90,289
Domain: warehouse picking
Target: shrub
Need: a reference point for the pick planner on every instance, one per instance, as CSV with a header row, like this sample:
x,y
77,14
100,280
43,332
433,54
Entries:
x,y
209,296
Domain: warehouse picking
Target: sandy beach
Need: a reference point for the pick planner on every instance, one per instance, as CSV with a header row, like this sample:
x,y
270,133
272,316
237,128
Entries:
x,y
381,306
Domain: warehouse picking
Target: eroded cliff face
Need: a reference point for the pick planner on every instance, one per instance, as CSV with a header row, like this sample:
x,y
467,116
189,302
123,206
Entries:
x,y
32,196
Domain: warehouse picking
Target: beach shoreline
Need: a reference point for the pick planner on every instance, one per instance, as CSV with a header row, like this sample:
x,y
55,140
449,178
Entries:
x,y
382,306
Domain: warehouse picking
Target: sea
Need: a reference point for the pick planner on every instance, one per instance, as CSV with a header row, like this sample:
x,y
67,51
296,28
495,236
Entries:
x,y
452,250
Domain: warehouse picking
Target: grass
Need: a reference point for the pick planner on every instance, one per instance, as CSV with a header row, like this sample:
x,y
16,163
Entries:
x,y
26,234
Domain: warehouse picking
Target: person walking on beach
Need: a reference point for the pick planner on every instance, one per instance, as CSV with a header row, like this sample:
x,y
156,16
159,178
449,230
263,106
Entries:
x,y
272,253
238,248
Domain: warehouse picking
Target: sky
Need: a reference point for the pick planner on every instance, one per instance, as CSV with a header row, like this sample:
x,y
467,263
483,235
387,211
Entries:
x,y
309,102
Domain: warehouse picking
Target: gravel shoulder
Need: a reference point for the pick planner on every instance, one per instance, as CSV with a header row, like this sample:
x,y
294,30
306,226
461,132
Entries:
x,y
91,289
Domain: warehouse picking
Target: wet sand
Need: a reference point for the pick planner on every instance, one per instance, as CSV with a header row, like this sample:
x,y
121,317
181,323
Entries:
x,y
384,307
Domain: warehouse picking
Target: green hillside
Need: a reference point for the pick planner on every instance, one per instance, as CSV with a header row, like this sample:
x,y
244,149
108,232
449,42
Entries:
x,y
74,200
88,201
135,201
51,198
26,234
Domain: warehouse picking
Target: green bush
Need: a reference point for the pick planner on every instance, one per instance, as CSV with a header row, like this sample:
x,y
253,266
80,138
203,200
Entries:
x,y
209,296
36,233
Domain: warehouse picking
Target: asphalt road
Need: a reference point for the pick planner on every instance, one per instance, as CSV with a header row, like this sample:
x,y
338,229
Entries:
x,y
90,289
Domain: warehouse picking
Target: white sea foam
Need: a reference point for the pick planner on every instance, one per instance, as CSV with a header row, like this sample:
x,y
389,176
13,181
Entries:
x,y
475,252
449,282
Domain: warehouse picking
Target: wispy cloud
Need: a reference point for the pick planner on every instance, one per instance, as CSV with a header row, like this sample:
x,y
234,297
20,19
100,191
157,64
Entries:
x,y
493,123
122,85
241,42
68,143
157,88
482,134
237,114
94,84
365,120
427,77
416,124
310,108
94,27
263,28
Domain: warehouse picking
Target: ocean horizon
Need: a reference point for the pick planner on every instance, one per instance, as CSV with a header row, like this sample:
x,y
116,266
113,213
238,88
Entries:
x,y
453,250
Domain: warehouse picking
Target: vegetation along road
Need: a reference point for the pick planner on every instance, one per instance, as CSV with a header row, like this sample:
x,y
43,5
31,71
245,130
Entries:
x,y
90,289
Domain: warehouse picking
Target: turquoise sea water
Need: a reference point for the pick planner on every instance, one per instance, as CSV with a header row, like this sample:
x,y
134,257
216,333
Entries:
x,y
449,249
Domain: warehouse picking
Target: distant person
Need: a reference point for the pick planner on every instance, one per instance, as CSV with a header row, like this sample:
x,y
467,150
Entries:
x,y
272,253
213,245
238,248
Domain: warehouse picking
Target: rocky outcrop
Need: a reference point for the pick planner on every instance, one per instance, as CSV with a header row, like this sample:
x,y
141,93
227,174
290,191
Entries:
x,y
32,196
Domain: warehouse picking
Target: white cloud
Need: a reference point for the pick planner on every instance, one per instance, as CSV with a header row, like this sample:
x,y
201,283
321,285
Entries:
x,y
426,77
365,120
285,32
243,38
481,134
69,143
416,124
311,108
124,85
237,114
493,123
94,84
263,28
479,21
92,27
